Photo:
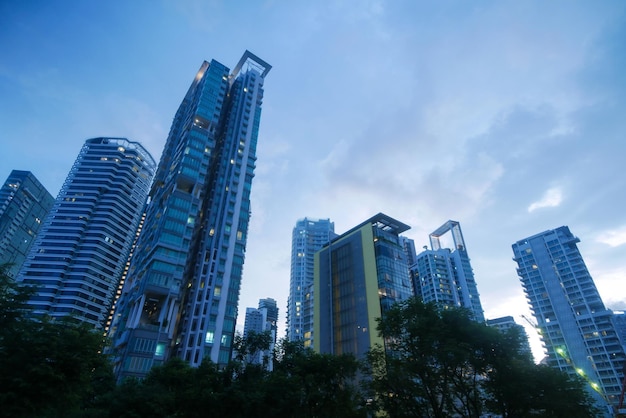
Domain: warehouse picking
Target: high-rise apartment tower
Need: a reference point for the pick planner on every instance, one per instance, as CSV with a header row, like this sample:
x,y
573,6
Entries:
x,y
444,275
308,236
24,204
181,294
79,254
575,327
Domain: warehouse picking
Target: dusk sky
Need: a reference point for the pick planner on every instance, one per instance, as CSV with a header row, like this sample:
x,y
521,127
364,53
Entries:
x,y
507,116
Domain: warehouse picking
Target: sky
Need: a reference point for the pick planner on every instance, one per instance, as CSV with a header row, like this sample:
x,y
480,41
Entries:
x,y
507,116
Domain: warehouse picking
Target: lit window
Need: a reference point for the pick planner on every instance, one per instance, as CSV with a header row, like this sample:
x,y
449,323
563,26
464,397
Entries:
x,y
209,337
218,291
160,350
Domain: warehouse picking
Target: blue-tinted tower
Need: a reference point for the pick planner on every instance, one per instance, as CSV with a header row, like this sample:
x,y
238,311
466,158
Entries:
x,y
444,275
358,276
24,204
181,294
307,237
577,330
79,255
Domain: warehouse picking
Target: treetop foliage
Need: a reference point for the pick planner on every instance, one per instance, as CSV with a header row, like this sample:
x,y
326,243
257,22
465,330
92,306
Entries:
x,y
435,363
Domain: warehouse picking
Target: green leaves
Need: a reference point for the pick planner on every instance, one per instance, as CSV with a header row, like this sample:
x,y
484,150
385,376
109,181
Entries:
x,y
49,368
440,363
435,363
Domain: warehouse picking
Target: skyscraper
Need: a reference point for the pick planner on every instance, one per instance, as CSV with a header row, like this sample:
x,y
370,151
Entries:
x,y
444,275
24,204
574,324
308,236
80,252
358,276
181,293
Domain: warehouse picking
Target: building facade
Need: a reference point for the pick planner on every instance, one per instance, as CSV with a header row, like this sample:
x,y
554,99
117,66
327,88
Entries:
x,y
262,320
504,324
308,236
443,274
182,290
358,276
271,307
24,204
575,327
79,254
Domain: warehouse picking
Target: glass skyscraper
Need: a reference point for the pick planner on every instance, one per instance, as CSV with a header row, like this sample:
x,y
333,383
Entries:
x,y
24,204
358,276
181,293
79,254
444,275
575,327
308,236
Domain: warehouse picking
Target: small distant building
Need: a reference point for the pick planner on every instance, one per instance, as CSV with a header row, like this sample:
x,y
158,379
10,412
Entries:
x,y
505,323
262,320
271,307
619,320
24,205
358,276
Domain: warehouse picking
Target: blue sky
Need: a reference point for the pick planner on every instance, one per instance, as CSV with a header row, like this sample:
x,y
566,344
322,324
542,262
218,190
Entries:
x,y
506,116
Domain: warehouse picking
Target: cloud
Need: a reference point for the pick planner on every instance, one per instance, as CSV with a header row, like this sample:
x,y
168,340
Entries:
x,y
613,238
551,198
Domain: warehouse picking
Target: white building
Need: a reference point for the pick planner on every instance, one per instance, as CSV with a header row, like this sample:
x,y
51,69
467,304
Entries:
x,y
81,250
576,328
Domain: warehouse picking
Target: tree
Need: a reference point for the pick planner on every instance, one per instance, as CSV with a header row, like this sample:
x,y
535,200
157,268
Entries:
x,y
439,363
49,368
520,389
433,361
309,384
249,347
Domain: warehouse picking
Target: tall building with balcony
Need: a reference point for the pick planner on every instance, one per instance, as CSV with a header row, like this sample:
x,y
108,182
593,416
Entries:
x,y
308,236
358,276
443,274
24,204
80,252
575,327
181,293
